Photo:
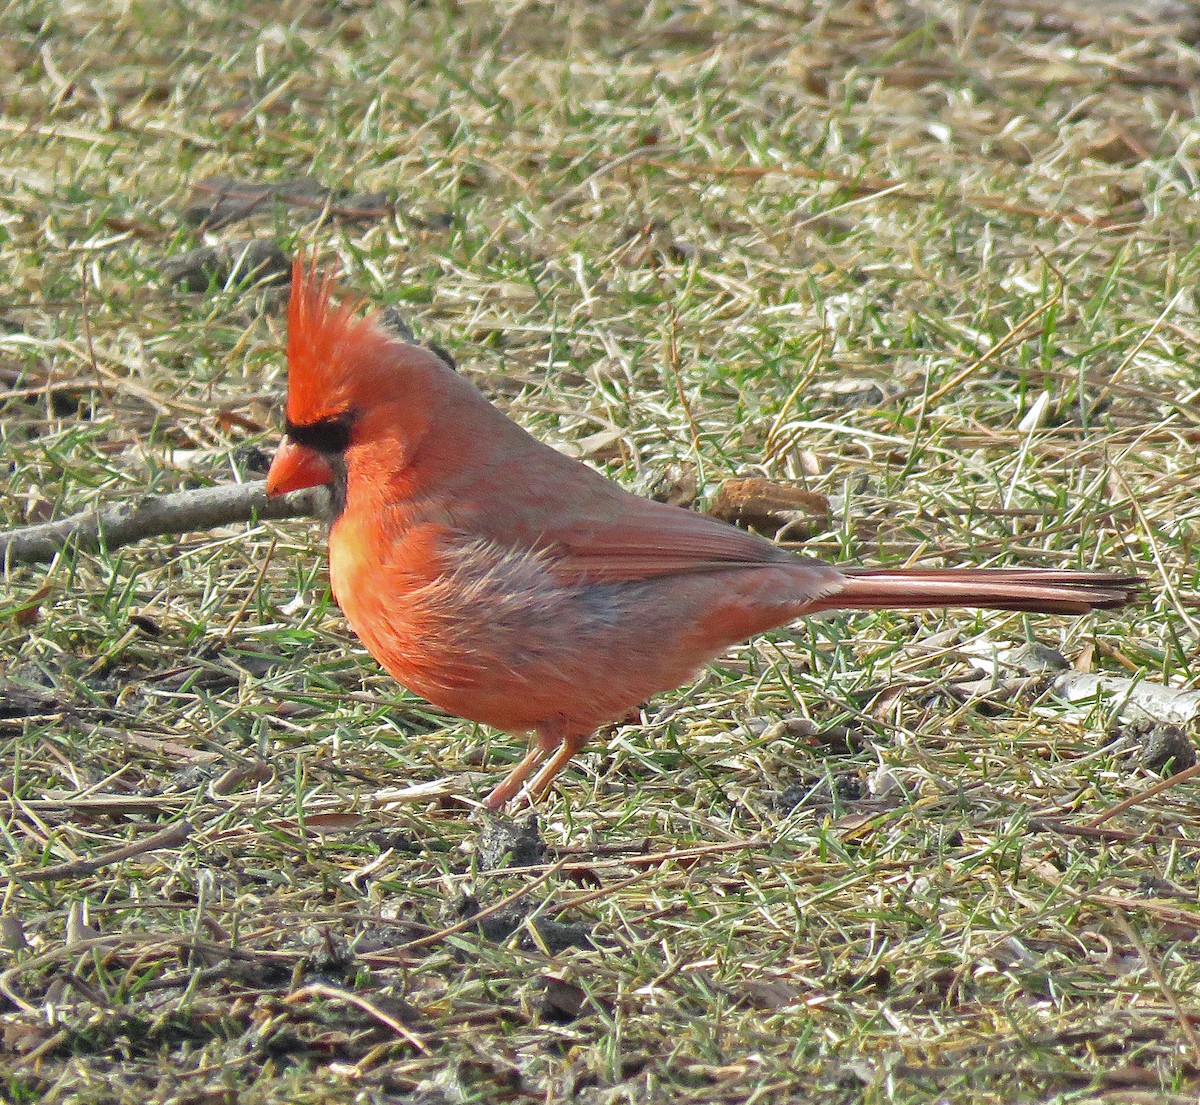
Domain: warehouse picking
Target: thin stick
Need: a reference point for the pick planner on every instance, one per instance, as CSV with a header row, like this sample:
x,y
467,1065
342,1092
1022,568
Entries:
x,y
154,516
168,838
1052,825
1165,784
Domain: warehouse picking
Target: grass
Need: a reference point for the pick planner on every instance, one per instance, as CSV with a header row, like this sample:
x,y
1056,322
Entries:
x,y
933,261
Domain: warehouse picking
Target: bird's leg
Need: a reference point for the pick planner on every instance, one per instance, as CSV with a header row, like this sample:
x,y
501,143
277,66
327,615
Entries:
x,y
510,786
569,746
550,735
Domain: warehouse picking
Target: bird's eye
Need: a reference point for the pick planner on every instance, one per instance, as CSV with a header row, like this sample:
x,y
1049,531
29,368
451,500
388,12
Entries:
x,y
325,435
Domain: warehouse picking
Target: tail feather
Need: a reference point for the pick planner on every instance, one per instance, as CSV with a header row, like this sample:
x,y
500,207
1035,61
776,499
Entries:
x,y
1034,590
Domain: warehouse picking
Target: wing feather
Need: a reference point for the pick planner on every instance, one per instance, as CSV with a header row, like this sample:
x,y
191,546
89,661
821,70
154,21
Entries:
x,y
655,540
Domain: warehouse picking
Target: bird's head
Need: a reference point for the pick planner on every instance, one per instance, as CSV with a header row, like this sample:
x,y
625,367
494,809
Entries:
x,y
349,380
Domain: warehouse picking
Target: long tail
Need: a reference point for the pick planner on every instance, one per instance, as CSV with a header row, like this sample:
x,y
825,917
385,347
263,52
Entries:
x,y
1040,590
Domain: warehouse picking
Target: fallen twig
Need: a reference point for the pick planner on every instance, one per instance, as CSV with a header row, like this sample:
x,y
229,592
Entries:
x,y
1099,832
1183,776
640,153
154,516
168,838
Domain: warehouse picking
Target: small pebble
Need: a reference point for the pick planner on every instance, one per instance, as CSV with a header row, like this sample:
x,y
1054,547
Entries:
x,y
1166,750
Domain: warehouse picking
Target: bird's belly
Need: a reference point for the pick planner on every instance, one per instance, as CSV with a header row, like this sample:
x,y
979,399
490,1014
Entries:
x,y
494,636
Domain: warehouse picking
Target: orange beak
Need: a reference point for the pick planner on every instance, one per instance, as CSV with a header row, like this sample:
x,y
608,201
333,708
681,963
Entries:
x,y
296,467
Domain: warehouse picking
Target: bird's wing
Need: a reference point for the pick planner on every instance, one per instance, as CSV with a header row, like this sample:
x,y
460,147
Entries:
x,y
653,539
589,528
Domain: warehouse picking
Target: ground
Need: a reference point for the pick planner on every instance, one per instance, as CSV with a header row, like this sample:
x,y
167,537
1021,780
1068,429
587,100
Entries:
x,y
932,263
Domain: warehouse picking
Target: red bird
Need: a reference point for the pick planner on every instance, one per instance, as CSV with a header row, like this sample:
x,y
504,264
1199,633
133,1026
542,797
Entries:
x,y
514,586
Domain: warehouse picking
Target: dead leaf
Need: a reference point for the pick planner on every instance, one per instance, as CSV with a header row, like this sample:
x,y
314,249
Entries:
x,y
767,506
146,624
1117,147
229,420
30,610
22,1037
562,1001
12,933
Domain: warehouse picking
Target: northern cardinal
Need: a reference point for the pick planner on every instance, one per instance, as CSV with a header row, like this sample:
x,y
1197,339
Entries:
x,y
512,585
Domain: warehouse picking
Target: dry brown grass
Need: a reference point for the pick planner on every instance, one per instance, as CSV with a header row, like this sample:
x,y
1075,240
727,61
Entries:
x,y
846,245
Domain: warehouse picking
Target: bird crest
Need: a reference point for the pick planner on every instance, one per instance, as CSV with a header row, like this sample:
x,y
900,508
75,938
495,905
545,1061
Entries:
x,y
331,347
